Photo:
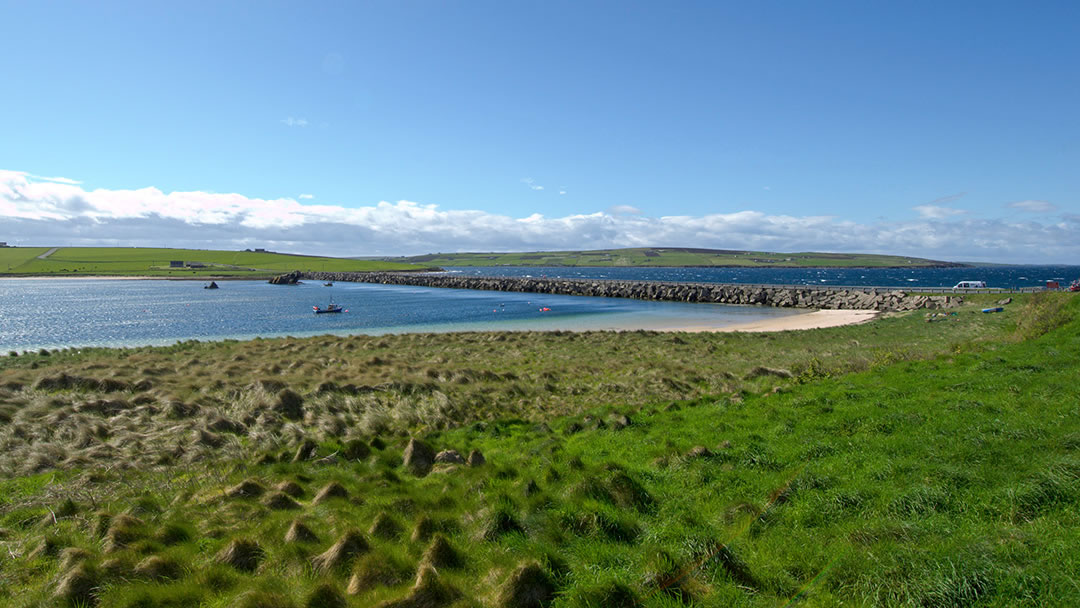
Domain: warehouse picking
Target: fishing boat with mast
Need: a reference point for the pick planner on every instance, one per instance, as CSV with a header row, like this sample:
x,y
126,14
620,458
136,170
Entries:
x,y
329,308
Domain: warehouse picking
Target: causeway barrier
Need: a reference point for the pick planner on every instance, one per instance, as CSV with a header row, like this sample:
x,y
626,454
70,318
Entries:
x,y
783,296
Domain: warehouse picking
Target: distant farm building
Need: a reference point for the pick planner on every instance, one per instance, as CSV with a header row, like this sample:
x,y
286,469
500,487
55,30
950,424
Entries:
x,y
176,263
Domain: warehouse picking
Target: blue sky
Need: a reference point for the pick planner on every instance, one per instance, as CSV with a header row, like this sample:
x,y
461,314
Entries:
x,y
940,129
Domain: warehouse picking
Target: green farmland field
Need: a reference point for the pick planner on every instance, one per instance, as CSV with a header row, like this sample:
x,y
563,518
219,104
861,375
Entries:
x,y
668,257
14,257
90,261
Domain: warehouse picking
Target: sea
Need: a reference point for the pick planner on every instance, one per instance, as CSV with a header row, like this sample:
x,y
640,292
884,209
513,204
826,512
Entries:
x,y
53,313
1004,276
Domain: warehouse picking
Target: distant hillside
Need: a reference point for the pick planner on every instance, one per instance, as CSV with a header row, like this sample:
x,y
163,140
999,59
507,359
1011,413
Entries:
x,y
670,256
138,261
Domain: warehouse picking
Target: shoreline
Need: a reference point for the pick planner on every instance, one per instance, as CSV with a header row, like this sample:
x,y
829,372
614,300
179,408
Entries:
x,y
819,319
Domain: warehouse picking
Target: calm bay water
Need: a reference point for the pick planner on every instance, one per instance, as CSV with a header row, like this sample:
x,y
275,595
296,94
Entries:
x,y
995,276
53,313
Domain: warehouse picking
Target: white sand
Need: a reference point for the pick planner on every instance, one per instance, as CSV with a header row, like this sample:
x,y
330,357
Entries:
x,y
811,320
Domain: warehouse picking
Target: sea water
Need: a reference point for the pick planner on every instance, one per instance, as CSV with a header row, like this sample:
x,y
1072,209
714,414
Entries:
x,y
54,313
1006,277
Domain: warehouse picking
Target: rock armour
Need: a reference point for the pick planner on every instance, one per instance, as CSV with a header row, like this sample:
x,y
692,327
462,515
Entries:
x,y
779,296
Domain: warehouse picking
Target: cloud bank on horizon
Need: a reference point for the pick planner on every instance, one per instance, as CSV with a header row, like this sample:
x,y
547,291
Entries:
x,y
57,211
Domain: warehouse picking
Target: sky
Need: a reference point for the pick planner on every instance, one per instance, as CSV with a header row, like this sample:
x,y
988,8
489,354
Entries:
x,y
941,130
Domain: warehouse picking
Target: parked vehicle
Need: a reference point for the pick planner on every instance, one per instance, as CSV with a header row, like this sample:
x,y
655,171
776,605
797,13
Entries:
x,y
969,285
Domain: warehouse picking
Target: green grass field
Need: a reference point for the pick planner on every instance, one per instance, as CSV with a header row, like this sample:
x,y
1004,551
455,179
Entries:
x,y
666,257
155,262
907,462
14,257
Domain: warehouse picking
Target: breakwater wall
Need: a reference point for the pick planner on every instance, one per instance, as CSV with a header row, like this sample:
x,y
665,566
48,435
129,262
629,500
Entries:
x,y
728,293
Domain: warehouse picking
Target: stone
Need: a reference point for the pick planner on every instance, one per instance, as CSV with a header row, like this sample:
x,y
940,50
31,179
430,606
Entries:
x,y
476,459
699,451
450,456
418,457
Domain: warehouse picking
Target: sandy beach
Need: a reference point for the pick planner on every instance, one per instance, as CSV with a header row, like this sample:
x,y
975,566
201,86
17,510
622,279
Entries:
x,y
811,320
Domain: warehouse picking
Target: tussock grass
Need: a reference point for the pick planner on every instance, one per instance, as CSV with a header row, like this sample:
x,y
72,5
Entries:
x,y
299,533
377,570
78,586
350,545
249,488
940,473
441,554
529,586
280,501
242,554
429,591
159,568
290,488
329,491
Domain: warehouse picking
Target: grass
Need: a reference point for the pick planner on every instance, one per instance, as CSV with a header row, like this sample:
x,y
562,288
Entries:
x,y
943,473
140,261
667,257
14,257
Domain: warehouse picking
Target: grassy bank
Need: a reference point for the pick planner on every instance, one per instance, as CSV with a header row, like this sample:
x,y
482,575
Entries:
x,y
140,261
669,256
903,462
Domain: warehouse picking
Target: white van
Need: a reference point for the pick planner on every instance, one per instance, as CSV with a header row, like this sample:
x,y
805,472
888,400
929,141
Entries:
x,y
969,285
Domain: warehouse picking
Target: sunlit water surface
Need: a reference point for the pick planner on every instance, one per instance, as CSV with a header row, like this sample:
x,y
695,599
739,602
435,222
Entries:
x,y
53,313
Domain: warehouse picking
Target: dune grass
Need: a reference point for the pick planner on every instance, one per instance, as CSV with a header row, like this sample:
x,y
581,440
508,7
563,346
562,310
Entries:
x,y
144,261
943,472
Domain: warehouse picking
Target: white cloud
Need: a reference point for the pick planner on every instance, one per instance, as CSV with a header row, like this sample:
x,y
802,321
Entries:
x,y
306,197
561,192
948,199
48,213
294,122
58,180
530,182
1033,206
935,212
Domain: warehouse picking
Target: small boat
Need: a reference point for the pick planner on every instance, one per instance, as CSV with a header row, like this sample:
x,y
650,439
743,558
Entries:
x,y
212,285
327,284
331,307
